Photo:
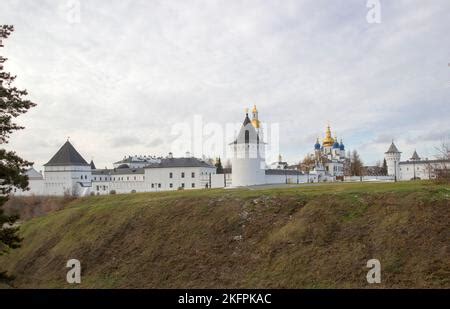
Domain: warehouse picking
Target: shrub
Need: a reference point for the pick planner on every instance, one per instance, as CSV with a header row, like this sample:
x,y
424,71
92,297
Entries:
x,y
28,207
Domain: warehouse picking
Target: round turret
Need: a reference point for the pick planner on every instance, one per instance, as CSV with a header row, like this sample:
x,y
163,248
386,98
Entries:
x,y
248,162
392,157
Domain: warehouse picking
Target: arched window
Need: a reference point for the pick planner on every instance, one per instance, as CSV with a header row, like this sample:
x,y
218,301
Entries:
x,y
247,137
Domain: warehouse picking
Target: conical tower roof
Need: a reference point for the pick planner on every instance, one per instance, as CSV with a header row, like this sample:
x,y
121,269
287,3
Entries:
x,y
66,155
393,148
415,156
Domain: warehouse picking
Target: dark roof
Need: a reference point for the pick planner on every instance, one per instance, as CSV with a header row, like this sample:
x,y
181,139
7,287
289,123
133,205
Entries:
x,y
66,155
415,156
424,162
392,149
246,120
92,165
123,171
165,163
283,172
179,162
118,171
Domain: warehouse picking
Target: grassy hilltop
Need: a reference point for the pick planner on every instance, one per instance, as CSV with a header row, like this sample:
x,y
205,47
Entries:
x,y
299,237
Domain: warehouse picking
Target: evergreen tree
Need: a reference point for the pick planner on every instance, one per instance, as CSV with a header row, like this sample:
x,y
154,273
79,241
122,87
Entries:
x,y
219,166
12,167
384,168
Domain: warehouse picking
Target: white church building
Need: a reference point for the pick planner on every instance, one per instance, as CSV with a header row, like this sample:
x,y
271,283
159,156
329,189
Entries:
x,y
329,158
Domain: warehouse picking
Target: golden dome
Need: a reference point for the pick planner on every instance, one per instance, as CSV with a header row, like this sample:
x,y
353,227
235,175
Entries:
x,y
255,120
328,141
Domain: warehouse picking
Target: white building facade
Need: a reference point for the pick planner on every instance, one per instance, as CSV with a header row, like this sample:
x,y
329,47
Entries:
x,y
413,168
35,183
67,173
167,174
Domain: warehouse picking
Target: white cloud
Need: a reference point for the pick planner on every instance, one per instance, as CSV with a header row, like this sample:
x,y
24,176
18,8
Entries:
x,y
131,69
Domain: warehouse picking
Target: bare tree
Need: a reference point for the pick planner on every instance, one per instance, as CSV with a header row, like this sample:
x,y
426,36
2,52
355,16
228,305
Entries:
x,y
356,164
429,169
443,151
307,164
442,168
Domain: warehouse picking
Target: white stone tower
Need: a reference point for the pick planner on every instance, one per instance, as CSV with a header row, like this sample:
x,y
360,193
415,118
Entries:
x,y
67,173
248,162
392,157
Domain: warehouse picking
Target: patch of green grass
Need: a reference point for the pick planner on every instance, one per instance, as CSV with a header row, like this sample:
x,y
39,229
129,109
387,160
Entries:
x,y
355,206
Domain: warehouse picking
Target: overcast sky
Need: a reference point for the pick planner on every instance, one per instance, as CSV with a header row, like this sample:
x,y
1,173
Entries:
x,y
119,75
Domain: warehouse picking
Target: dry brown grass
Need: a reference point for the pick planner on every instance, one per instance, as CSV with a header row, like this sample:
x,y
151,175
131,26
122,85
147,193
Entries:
x,y
28,207
243,239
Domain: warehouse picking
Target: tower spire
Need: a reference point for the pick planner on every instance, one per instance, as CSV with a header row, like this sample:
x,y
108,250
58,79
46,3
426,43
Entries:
x,y
255,120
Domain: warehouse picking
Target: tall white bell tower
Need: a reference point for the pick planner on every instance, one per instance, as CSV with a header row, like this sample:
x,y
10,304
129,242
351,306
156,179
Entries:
x,y
248,161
